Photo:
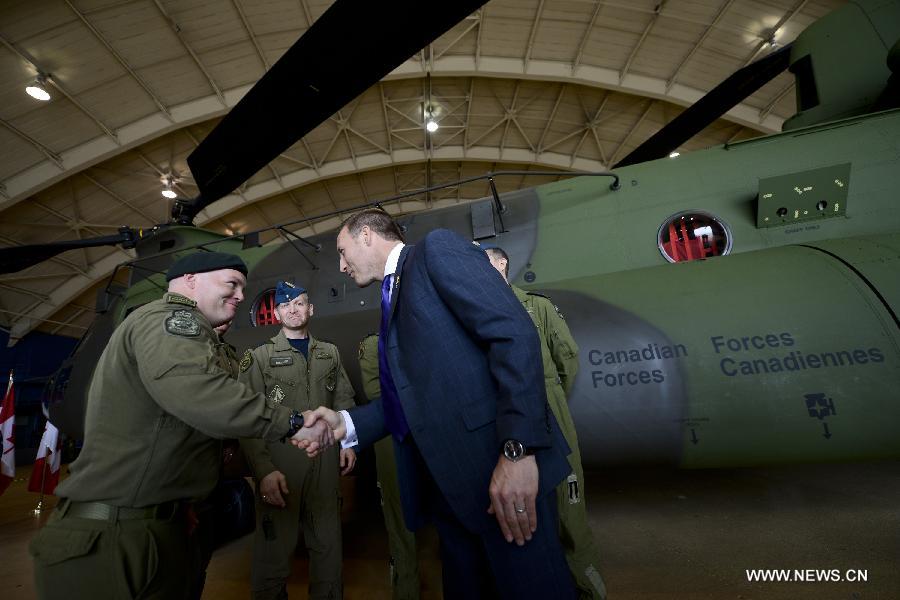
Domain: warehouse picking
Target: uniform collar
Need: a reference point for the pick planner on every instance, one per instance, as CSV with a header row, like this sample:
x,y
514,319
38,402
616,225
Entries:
x,y
283,344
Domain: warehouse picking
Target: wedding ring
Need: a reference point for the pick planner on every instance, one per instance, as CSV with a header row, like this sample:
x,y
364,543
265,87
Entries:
x,y
520,509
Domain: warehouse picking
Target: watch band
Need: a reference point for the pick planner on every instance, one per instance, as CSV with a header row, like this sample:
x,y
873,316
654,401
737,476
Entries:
x,y
296,423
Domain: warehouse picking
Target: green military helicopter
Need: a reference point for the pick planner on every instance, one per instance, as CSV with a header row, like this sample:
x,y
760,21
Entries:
x,y
737,306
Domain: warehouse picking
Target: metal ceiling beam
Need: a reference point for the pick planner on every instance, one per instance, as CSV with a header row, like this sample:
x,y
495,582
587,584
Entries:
x,y
21,314
387,122
478,37
306,13
78,312
722,10
259,52
50,154
299,207
476,19
24,291
510,114
529,47
771,105
656,12
7,279
637,124
559,96
176,28
587,34
162,108
119,198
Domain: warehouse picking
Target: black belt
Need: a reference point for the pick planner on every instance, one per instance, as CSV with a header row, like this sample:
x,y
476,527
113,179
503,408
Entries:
x,y
100,511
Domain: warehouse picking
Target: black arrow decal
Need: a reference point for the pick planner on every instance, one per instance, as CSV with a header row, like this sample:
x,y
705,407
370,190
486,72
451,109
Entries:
x,y
827,434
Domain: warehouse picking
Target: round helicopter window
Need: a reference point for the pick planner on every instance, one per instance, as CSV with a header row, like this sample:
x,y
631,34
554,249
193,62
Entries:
x,y
263,311
692,235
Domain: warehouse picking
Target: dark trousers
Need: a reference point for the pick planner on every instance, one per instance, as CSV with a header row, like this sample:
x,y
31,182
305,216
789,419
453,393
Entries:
x,y
486,566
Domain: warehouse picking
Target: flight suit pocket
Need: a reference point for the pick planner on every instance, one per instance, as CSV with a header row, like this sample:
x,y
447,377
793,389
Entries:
x,y
479,413
53,545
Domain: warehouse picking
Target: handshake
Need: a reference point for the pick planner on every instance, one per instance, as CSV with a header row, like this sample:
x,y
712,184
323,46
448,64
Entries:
x,y
321,427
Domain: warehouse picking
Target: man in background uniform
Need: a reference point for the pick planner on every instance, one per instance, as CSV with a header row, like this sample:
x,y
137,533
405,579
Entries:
x,y
157,403
560,355
296,370
401,541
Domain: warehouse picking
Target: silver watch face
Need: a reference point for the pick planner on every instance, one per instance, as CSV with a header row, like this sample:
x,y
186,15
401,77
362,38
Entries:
x,y
513,450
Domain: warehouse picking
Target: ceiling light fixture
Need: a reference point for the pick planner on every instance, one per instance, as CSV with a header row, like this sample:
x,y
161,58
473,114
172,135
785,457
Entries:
x,y
674,154
168,181
37,90
431,125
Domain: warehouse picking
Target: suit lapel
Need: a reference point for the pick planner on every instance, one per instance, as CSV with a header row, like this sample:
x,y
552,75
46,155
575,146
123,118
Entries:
x,y
395,293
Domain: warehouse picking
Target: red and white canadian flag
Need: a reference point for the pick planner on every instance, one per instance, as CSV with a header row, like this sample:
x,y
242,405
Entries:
x,y
8,435
47,462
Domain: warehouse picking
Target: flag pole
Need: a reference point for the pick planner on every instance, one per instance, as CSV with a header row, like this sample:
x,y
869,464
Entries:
x,y
40,505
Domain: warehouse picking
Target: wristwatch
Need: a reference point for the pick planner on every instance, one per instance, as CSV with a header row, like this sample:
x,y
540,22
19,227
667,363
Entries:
x,y
514,450
296,422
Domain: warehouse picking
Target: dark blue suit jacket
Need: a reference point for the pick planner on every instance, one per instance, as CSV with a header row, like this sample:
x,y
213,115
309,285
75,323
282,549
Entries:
x,y
466,360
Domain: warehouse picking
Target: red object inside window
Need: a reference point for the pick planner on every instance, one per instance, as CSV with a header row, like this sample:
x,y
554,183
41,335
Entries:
x,y
265,310
688,238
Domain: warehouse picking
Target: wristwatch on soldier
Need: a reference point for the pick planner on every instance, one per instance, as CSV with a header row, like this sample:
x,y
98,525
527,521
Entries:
x,y
296,422
514,450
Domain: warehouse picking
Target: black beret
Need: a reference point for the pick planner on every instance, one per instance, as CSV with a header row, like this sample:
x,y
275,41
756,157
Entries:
x,y
201,262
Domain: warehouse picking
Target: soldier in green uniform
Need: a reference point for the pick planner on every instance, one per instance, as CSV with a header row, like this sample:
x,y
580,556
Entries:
x,y
560,357
404,567
296,370
158,402
205,535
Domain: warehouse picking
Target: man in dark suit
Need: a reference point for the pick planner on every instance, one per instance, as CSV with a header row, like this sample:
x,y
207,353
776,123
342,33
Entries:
x,y
462,394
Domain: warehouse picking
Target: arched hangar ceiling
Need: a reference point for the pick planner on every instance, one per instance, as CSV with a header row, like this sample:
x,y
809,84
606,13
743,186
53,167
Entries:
x,y
524,84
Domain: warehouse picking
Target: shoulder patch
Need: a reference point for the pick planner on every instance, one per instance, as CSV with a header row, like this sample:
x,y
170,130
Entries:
x,y
173,298
246,360
183,323
362,349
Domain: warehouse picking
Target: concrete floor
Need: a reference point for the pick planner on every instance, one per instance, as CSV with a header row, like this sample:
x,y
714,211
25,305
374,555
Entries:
x,y
664,534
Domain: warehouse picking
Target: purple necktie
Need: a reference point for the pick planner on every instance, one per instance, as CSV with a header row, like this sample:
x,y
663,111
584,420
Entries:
x,y
394,418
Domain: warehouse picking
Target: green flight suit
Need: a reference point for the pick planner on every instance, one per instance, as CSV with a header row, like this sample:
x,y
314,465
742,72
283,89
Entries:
x,y
401,541
560,357
158,403
286,377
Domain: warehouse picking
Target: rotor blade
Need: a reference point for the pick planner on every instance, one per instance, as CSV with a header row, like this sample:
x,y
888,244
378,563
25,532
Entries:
x,y
710,107
352,46
16,258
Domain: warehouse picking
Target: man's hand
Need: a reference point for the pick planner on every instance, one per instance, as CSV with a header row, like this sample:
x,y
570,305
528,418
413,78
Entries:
x,y
314,437
334,419
513,489
272,487
348,460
